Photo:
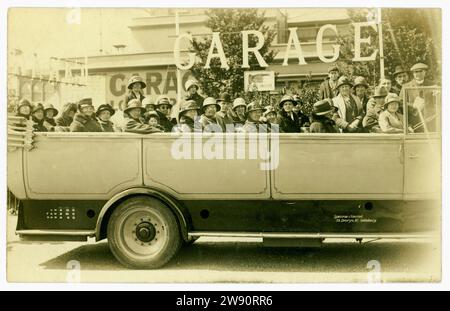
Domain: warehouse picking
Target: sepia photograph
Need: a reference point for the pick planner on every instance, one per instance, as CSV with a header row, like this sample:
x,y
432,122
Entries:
x,y
223,145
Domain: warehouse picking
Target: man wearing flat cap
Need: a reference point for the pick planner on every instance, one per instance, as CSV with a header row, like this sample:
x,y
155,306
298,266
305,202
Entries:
x,y
420,102
328,88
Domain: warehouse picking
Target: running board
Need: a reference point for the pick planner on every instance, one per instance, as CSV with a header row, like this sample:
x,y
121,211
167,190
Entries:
x,y
314,235
55,235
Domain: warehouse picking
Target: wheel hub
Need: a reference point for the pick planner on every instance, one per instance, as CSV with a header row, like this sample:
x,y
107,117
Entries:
x,y
145,231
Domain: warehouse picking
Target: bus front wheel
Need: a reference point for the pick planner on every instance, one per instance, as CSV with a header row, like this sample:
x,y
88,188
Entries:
x,y
143,233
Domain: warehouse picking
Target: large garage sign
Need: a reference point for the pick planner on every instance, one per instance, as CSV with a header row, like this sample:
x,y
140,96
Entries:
x,y
158,82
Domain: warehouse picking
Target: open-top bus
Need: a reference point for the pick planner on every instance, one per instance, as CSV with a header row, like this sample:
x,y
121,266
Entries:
x,y
149,194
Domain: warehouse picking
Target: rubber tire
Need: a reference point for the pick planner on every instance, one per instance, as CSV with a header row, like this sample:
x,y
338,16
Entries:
x,y
171,247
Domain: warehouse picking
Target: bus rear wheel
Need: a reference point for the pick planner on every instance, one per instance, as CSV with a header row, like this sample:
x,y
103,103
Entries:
x,y
143,233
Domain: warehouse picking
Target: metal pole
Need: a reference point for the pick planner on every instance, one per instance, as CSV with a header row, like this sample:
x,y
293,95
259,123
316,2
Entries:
x,y
179,81
380,39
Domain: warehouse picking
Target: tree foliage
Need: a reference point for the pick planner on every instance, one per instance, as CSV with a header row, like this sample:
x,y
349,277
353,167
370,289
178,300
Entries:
x,y
409,36
230,23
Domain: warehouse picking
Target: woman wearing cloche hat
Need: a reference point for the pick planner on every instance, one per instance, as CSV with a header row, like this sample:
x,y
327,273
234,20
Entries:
x,y
135,88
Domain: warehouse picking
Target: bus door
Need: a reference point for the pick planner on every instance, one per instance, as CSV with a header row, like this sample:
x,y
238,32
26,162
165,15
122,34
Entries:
x,y
422,185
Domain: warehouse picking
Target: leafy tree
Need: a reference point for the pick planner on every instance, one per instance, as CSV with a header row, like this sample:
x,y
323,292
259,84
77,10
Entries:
x,y
230,23
409,36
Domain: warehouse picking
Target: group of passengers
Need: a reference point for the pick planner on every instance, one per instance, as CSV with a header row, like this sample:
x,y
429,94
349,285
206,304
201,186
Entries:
x,y
344,106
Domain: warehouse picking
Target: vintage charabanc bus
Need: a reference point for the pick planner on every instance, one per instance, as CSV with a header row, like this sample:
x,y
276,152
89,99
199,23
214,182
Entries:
x,y
150,194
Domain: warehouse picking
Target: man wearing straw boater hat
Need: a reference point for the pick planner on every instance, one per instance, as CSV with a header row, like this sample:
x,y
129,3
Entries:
x,y
134,121
322,121
84,120
350,110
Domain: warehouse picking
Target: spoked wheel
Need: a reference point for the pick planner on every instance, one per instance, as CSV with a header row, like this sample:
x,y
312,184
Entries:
x,y
143,233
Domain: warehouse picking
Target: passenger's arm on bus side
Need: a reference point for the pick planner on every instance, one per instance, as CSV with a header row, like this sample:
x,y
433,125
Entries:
x,y
133,126
341,123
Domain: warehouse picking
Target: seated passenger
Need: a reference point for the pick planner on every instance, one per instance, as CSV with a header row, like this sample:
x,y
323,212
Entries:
x,y
84,120
149,107
134,121
271,119
153,120
49,113
135,89
360,88
322,121
66,118
374,108
189,118
24,109
163,107
253,123
225,104
350,112
391,121
238,112
38,118
104,113
209,121
289,120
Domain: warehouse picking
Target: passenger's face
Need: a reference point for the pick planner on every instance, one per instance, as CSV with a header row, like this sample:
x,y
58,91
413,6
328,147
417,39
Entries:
x,y
344,89
379,101
135,113
210,111
387,84
334,75
255,115
150,108
153,122
165,109
39,114
287,106
271,117
401,78
192,90
419,75
225,106
240,110
104,115
89,110
49,114
392,107
71,113
360,90
191,114
25,110
136,87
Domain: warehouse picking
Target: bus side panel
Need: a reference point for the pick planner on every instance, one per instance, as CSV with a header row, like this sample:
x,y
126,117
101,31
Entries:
x,y
422,168
187,177
15,173
339,168
82,167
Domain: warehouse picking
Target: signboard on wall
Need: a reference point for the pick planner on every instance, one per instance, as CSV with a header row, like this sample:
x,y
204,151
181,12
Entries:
x,y
159,82
261,80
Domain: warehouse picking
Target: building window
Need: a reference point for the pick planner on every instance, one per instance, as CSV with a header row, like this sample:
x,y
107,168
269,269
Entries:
x,y
25,90
37,92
